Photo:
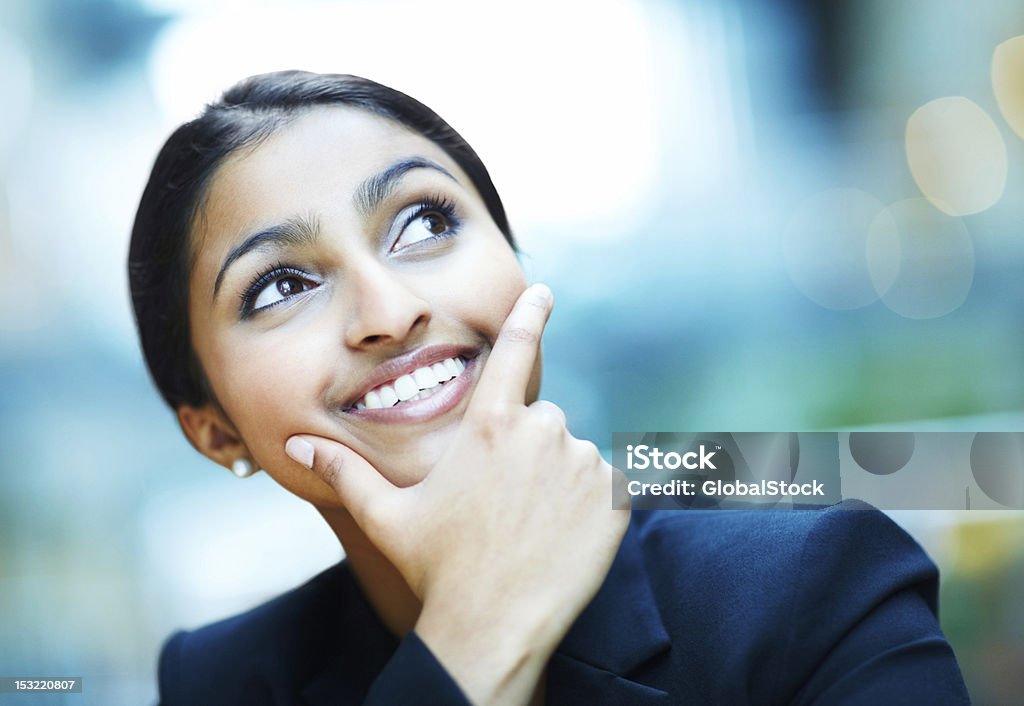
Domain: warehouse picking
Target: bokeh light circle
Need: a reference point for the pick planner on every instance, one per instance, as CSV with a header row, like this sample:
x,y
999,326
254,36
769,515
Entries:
x,y
1008,81
921,260
956,155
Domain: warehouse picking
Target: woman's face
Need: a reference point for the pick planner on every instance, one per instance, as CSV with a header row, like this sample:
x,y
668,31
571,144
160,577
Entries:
x,y
335,263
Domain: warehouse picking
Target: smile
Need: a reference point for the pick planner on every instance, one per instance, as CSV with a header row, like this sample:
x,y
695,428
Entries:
x,y
420,384
417,386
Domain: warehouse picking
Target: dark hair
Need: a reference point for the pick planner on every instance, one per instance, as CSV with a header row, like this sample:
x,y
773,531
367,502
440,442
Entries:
x,y
159,261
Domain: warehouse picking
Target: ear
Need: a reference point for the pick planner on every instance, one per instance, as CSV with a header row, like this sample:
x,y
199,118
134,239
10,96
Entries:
x,y
212,434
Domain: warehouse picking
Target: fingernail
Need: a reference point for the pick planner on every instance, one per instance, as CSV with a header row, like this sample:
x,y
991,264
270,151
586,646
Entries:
x,y
542,291
300,451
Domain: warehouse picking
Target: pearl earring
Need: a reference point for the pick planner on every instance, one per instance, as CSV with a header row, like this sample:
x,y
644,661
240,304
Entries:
x,y
242,467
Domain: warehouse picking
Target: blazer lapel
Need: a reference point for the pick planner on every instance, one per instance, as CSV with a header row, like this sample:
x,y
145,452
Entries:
x,y
574,682
620,630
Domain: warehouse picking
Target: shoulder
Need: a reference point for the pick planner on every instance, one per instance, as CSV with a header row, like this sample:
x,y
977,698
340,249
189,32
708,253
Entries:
x,y
246,658
837,603
834,544
759,570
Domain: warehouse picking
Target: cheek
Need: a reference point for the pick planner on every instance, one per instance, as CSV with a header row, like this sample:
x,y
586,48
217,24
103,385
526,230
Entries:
x,y
271,393
269,382
486,298
506,282
486,295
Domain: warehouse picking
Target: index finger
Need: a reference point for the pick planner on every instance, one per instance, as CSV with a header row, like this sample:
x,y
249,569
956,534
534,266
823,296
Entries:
x,y
506,375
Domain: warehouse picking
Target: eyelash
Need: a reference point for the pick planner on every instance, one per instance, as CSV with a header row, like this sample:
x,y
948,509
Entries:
x,y
262,280
431,204
435,203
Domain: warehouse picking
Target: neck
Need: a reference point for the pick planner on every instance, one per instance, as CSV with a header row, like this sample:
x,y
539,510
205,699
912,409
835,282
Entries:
x,y
389,595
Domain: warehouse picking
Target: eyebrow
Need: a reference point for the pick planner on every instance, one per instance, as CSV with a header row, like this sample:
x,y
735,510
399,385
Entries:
x,y
294,231
375,190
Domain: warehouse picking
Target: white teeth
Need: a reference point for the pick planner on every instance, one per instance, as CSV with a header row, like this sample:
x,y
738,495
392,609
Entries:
x,y
406,388
372,400
388,397
417,385
424,394
424,378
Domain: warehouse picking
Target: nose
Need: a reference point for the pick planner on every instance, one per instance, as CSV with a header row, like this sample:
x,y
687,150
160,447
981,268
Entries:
x,y
383,308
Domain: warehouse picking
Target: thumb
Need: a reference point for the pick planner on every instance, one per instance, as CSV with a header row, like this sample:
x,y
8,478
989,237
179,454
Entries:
x,y
361,487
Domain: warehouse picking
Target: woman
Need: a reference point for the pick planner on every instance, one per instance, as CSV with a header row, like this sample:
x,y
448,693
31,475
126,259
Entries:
x,y
326,288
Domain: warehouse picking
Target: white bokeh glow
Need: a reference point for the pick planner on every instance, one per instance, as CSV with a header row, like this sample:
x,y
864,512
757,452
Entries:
x,y
956,155
1008,81
562,111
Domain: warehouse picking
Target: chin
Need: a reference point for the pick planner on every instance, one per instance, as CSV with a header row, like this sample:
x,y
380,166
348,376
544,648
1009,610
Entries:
x,y
408,466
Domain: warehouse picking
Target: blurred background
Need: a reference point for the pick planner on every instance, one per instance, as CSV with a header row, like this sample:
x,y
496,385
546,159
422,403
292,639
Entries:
x,y
756,215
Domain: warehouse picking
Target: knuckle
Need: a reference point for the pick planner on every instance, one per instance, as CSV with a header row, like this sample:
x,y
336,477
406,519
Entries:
x,y
540,302
548,406
548,421
492,422
591,452
331,470
587,452
519,334
549,412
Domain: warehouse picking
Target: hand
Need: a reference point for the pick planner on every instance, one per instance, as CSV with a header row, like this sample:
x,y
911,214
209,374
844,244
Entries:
x,y
511,533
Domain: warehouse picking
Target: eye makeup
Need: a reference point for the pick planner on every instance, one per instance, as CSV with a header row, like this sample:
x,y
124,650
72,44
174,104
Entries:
x,y
438,219
269,276
437,213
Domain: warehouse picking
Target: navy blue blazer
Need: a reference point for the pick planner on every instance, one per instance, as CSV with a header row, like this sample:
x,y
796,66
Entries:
x,y
833,606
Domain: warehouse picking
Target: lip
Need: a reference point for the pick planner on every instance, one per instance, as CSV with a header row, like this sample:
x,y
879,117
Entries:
x,y
405,364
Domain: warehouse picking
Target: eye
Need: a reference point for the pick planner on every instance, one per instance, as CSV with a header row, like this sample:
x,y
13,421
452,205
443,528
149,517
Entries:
x,y
273,287
280,289
426,221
